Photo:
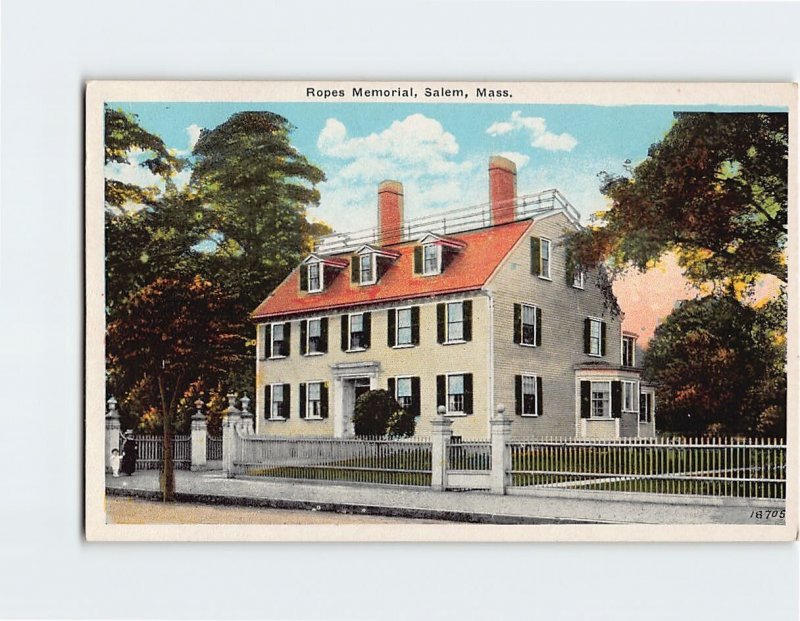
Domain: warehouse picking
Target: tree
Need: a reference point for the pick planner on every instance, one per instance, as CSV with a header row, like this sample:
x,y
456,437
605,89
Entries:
x,y
719,367
376,413
714,191
169,333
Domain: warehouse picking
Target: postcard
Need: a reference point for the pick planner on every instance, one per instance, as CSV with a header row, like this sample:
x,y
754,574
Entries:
x,y
417,311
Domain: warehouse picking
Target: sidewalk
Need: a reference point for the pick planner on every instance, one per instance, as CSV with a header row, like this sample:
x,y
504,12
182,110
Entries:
x,y
546,507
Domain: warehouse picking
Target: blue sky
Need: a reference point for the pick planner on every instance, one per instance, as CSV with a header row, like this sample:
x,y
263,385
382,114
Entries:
x,y
439,152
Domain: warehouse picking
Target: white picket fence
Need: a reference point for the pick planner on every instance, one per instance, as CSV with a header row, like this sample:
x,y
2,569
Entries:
x,y
151,451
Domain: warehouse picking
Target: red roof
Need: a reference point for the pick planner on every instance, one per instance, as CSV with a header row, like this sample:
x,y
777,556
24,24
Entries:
x,y
469,270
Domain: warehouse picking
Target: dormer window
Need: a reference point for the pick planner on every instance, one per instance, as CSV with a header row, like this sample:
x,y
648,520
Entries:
x,y
370,263
431,259
314,278
367,271
318,272
434,253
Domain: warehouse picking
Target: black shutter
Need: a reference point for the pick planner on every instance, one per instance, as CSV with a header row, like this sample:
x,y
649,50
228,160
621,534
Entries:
x,y
267,400
303,337
467,314
447,257
391,384
267,349
418,259
518,395
415,396
286,406
538,327
468,393
440,325
415,325
441,390
302,400
355,269
345,332
367,322
587,333
391,327
569,273
323,334
518,323
586,399
323,399
287,339
603,338
304,278
616,399
535,256
539,405
650,400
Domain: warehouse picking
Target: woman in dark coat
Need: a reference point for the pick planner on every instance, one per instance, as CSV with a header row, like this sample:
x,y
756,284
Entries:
x,y
130,453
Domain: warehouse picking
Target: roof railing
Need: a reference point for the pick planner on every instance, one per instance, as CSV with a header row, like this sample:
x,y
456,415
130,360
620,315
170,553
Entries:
x,y
447,222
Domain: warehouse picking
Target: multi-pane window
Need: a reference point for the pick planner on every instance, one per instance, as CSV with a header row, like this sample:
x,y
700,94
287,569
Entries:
x,y
595,337
276,407
545,258
314,335
314,400
629,396
357,331
628,351
278,339
529,405
314,280
404,392
455,321
528,324
455,393
404,336
430,263
577,279
601,399
644,407
365,264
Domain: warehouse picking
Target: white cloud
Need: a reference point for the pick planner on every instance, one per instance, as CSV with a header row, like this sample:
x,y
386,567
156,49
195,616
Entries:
x,y
536,128
193,131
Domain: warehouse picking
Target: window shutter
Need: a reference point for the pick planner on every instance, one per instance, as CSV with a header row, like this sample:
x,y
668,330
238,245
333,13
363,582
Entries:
x,y
448,256
538,327
355,269
467,306
381,267
286,406
267,400
391,384
303,337
441,390
587,331
518,395
323,334
415,396
367,330
323,400
304,278
267,348
302,400
468,393
418,259
345,332
287,339
539,403
391,327
518,323
415,325
586,399
440,325
603,338
650,400
616,399
536,256
569,273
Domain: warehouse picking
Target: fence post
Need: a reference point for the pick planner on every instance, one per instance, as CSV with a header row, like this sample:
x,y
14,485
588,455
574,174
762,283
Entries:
x,y
230,438
247,416
112,431
500,431
440,442
199,437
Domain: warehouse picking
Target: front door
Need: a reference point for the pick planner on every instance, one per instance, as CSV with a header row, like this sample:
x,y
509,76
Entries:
x,y
353,388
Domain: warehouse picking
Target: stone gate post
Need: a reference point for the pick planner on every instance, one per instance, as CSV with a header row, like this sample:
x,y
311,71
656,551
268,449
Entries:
x,y
501,457
199,437
230,437
247,426
112,430
440,443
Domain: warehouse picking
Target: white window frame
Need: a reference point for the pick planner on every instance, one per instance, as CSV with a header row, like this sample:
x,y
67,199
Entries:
x,y
447,339
533,378
632,340
372,269
273,355
646,401
543,241
397,342
594,321
308,399
608,415
578,280
308,337
396,395
438,249
272,401
633,387
350,332
320,276
522,325
450,412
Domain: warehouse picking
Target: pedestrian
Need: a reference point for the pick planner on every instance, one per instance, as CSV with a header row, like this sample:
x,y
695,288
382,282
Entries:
x,y
115,460
130,453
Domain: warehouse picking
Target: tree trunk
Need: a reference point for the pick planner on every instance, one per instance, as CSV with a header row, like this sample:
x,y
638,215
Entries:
x,y
167,478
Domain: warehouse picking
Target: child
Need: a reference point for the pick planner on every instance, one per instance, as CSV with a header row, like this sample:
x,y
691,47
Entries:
x,y
115,459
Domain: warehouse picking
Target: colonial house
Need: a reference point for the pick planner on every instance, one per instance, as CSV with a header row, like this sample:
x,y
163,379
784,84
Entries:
x,y
465,309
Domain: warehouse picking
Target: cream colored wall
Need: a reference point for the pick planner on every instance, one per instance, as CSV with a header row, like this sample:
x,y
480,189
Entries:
x,y
564,309
600,429
426,360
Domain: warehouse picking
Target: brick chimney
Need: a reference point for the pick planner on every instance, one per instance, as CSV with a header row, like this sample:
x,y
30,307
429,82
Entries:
x,y
390,212
502,189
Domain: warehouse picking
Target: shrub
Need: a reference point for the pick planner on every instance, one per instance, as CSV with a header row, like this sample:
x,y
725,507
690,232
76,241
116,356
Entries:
x,y
378,414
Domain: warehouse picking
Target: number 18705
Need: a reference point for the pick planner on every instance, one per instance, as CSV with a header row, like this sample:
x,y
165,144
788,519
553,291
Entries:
x,y
767,514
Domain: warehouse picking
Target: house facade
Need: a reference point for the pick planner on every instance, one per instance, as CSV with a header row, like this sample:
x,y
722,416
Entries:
x,y
465,310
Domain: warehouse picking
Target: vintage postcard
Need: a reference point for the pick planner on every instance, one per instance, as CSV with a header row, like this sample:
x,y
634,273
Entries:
x,y
441,311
